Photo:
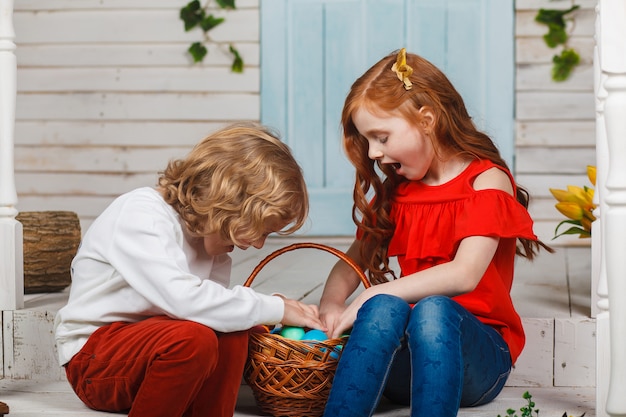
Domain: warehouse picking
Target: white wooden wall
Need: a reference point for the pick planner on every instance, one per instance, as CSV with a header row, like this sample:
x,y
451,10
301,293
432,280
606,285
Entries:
x,y
107,94
555,132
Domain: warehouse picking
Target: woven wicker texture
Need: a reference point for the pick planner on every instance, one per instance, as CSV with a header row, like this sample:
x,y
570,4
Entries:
x,y
292,377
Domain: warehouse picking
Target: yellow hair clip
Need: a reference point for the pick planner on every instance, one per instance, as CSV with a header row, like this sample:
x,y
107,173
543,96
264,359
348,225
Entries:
x,y
402,70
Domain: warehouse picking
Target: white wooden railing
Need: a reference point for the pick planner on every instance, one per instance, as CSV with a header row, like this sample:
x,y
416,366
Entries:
x,y
609,231
609,234
11,257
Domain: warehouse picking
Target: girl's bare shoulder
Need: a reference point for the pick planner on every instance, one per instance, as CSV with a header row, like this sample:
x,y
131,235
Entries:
x,y
493,178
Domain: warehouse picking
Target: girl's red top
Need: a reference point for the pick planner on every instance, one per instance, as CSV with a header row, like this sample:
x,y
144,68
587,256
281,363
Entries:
x,y
430,223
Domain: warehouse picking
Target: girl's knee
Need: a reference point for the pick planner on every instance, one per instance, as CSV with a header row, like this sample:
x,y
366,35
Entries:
x,y
434,306
383,305
433,315
383,311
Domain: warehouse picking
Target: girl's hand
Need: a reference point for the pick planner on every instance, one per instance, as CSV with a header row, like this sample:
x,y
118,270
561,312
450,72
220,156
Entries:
x,y
347,318
301,315
330,316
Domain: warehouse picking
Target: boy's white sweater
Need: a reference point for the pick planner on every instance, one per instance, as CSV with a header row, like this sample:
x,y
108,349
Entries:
x,y
136,261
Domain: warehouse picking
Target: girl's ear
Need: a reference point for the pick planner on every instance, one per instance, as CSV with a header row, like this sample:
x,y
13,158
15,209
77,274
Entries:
x,y
427,118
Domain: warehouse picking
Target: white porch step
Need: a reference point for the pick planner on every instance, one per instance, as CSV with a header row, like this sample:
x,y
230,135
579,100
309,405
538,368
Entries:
x,y
29,398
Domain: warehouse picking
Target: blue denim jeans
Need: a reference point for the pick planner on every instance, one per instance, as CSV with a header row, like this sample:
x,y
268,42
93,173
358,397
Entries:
x,y
436,356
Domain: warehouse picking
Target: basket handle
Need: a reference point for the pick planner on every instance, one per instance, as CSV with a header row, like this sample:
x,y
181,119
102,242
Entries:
x,y
295,246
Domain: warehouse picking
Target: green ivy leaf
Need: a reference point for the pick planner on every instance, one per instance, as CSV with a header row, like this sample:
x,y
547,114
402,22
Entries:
x,y
556,35
555,21
197,51
192,14
226,4
564,64
210,22
237,65
550,16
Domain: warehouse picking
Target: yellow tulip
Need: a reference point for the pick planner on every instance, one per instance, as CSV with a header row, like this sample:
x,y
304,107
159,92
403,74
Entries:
x,y
576,203
591,174
570,210
562,195
579,195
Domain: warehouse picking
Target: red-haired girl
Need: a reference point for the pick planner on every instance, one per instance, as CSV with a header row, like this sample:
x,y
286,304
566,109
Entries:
x,y
434,192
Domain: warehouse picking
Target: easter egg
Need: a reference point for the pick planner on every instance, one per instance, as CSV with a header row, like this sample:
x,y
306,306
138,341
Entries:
x,y
294,333
335,353
276,330
315,334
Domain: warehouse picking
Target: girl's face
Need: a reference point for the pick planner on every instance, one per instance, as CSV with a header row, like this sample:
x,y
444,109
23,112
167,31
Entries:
x,y
215,245
395,142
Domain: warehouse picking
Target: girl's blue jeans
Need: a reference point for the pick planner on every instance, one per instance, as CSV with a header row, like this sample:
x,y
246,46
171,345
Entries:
x,y
436,356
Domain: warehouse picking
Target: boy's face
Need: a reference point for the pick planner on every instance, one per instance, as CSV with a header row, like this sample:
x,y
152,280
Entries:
x,y
215,245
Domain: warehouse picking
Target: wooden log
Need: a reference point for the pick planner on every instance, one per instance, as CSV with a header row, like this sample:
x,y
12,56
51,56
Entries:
x,y
4,409
51,239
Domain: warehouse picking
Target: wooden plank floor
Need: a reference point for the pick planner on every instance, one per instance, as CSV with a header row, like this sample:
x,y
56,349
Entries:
x,y
56,399
553,286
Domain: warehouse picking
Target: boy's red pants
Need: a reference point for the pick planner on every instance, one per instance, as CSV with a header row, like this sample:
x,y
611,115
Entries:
x,y
160,367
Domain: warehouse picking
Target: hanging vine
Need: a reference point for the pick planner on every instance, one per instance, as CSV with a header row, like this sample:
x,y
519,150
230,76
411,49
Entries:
x,y
195,15
564,63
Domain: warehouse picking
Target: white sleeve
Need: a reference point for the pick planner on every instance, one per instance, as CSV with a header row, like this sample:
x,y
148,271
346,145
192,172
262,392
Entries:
x,y
145,249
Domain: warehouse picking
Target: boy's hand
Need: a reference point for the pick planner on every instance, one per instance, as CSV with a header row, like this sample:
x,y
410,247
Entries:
x,y
302,315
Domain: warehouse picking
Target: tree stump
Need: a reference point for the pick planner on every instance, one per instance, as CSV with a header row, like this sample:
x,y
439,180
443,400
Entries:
x,y
51,239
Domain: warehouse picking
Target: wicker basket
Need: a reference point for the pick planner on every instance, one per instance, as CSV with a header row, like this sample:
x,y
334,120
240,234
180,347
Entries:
x,y
292,377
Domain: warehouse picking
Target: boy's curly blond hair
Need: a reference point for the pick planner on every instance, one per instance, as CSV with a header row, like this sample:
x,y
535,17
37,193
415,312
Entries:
x,y
236,182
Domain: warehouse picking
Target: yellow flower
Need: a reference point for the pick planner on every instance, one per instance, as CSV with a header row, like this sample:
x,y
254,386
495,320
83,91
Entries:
x,y
591,174
561,195
590,192
570,210
579,196
576,203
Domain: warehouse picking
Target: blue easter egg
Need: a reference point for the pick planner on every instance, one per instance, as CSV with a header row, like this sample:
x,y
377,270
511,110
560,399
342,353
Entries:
x,y
294,333
335,353
276,330
315,334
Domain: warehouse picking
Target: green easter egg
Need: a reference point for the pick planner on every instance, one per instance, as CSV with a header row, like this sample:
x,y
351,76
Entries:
x,y
294,333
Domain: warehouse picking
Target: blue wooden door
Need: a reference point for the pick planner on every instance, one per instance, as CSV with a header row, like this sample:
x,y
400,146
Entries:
x,y
313,50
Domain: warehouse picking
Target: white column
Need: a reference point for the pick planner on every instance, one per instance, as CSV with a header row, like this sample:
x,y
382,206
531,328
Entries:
x,y
612,57
11,249
600,295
